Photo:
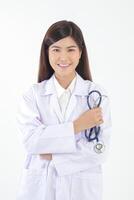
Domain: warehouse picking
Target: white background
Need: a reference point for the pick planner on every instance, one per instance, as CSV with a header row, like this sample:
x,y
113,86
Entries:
x,y
108,29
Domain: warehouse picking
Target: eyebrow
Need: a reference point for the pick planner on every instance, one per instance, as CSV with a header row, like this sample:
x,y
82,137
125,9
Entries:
x,y
72,46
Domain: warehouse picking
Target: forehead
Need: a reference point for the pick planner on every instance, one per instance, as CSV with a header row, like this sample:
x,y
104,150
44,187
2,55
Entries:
x,y
65,42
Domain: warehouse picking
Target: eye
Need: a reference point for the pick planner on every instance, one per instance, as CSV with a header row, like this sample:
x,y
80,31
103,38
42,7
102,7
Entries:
x,y
56,50
71,49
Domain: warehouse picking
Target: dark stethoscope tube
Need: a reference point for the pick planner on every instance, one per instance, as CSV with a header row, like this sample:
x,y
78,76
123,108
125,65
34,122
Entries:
x,y
96,129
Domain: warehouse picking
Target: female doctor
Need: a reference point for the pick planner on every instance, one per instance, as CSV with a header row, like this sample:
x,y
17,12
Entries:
x,y
55,121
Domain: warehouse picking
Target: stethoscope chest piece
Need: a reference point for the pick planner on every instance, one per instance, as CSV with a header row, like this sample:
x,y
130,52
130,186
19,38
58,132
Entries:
x,y
99,147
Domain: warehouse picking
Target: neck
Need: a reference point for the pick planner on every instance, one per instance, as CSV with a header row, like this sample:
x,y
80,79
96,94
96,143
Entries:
x,y
65,81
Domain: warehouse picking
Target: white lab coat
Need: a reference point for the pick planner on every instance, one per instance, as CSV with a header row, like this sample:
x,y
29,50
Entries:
x,y
75,172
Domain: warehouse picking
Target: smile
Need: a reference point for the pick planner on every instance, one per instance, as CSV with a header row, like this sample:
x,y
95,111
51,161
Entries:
x,y
64,66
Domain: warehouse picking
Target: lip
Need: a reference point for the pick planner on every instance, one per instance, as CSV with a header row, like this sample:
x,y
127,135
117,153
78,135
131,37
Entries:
x,y
63,65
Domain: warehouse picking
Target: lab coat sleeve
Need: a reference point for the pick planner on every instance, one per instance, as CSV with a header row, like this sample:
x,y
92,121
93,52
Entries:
x,y
86,157
39,138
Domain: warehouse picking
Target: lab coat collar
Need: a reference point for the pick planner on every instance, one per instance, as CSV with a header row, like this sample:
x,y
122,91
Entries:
x,y
80,88
60,90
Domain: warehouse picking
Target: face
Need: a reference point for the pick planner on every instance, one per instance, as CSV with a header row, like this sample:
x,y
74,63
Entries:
x,y
64,56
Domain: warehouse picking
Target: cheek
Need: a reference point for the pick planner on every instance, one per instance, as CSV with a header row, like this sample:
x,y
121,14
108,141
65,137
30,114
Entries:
x,y
52,58
75,58
75,55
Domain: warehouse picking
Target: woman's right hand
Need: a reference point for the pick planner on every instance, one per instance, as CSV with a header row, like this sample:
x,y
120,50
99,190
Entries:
x,y
88,119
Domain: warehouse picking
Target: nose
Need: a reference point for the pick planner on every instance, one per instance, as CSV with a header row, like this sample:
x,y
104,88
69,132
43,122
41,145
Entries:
x,y
63,56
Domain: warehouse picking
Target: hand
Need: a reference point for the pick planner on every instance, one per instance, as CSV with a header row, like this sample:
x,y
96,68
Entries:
x,y
88,119
47,156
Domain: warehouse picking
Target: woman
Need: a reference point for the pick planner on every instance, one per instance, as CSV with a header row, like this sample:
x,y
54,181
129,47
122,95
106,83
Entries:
x,y
62,161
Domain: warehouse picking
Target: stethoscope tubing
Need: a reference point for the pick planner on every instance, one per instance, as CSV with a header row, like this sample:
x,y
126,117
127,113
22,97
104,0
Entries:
x,y
95,129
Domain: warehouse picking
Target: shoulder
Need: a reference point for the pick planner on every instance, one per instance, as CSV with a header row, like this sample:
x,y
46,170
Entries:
x,y
96,86
101,89
34,89
38,87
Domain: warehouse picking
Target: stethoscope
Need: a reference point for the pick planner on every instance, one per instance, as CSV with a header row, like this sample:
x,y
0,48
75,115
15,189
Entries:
x,y
99,146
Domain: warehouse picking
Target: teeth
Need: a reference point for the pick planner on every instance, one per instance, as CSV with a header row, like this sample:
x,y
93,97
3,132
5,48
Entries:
x,y
61,65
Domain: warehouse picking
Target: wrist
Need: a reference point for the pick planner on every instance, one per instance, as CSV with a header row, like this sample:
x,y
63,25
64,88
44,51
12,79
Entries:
x,y
76,126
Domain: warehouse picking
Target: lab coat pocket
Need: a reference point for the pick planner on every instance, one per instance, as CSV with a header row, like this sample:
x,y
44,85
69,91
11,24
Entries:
x,y
86,185
32,185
